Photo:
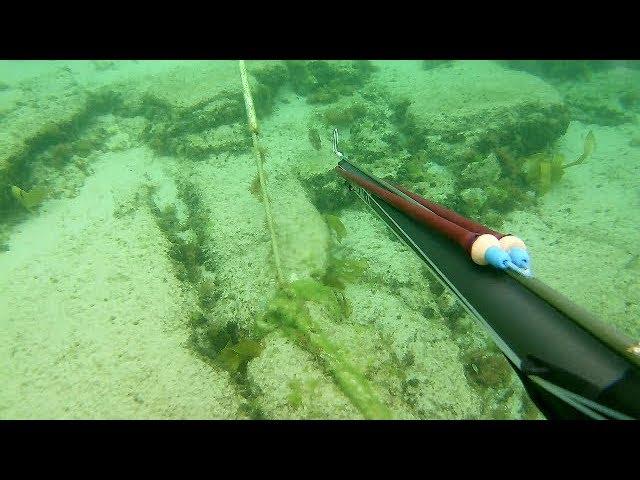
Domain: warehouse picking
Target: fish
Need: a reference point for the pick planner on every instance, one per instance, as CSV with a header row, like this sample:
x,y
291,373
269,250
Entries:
x,y
28,200
589,144
589,147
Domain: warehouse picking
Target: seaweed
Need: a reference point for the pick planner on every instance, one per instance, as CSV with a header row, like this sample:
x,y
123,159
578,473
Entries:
x,y
544,169
288,312
589,147
340,116
29,199
310,289
255,188
271,74
314,138
336,225
167,219
341,271
323,94
235,357
413,169
486,369
301,389
208,293
326,81
60,154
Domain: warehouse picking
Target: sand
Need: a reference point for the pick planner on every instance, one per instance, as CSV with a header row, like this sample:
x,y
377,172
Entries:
x,y
92,317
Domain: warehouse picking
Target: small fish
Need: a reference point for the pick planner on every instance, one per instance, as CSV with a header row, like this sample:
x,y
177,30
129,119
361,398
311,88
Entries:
x,y
589,143
28,199
589,147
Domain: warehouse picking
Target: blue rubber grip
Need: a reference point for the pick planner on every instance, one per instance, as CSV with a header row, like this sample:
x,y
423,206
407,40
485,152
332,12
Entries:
x,y
497,257
520,257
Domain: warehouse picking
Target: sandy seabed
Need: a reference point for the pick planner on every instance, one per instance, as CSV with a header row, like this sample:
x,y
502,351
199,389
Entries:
x,y
93,320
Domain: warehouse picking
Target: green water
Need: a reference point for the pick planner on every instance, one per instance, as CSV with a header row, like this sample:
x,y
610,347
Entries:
x,y
137,272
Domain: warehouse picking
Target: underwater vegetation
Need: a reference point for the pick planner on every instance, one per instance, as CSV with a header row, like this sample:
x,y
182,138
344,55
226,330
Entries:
x,y
326,81
255,188
336,225
314,138
288,312
341,271
59,139
543,169
220,342
191,259
30,199
301,390
235,357
344,115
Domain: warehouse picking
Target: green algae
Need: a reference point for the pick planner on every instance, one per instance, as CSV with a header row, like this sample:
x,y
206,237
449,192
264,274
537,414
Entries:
x,y
336,225
341,271
234,357
288,312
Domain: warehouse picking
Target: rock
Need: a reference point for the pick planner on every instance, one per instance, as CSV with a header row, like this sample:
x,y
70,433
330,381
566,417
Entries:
x,y
189,105
27,122
326,81
474,197
477,105
482,173
441,183
608,98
